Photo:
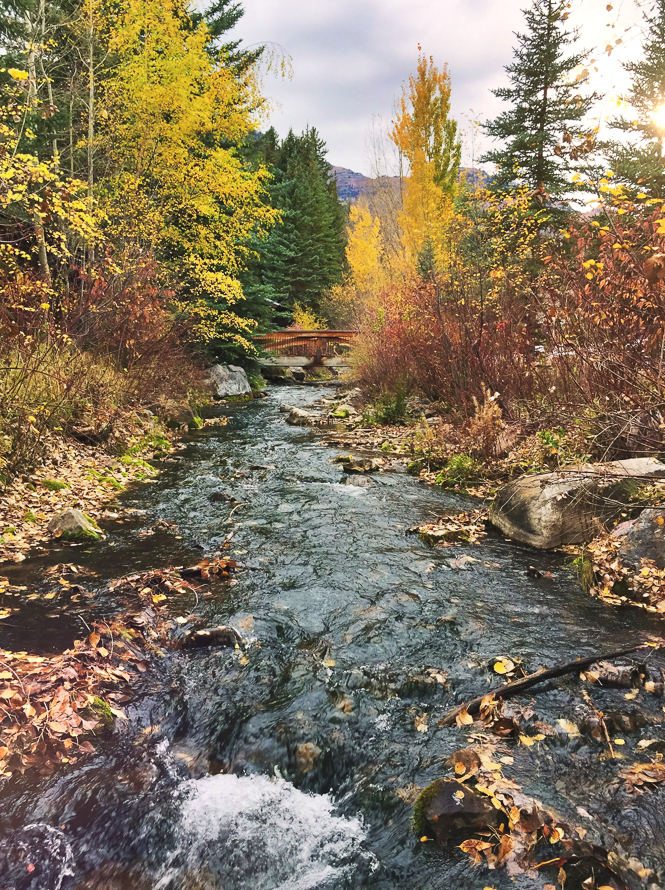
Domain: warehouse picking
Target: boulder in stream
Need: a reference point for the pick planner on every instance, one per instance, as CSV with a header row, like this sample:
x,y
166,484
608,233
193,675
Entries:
x,y
222,636
298,417
74,525
569,506
229,380
644,539
447,808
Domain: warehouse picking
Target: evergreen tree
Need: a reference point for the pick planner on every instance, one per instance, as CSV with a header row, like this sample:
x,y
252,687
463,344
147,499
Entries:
x,y
304,255
546,106
639,163
220,18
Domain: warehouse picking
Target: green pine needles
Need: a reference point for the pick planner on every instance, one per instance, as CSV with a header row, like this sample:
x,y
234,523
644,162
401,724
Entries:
x,y
545,103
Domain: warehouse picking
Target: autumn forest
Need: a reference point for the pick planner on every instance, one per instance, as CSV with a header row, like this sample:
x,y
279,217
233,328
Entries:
x,y
292,478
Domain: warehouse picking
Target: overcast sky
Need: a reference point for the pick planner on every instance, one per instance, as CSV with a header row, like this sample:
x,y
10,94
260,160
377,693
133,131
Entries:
x,y
350,58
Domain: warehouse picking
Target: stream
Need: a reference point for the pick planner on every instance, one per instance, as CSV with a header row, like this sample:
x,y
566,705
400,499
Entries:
x,y
277,768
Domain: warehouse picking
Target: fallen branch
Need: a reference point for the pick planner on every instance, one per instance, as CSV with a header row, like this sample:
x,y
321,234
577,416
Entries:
x,y
508,690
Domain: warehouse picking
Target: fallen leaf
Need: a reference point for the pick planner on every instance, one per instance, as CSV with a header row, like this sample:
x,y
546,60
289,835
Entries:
x,y
464,718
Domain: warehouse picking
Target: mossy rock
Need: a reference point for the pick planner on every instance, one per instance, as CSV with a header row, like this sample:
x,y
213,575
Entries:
x,y
54,484
101,710
448,808
73,525
30,517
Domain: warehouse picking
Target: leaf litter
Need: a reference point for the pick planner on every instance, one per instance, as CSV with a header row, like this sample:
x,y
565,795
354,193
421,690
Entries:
x,y
53,708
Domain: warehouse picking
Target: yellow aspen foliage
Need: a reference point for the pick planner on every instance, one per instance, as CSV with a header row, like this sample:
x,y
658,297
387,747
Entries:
x,y
426,138
169,114
365,251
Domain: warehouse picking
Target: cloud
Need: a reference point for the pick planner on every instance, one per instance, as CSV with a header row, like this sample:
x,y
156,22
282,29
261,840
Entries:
x,y
350,57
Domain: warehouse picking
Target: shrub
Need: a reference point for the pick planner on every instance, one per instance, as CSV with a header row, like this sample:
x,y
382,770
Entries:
x,y
460,470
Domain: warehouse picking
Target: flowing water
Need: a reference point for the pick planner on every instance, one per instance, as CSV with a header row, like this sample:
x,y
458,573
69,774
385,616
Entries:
x,y
277,768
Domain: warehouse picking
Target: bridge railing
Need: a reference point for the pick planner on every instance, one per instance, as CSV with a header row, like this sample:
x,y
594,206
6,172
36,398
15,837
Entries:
x,y
306,343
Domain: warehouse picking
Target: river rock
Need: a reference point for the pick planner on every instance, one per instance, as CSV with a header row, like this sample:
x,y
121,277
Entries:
x,y
230,380
298,417
222,636
569,506
644,539
344,410
73,525
361,465
174,413
447,808
358,481
298,374
221,497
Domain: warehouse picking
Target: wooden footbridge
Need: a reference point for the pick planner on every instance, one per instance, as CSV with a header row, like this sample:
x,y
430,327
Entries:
x,y
313,346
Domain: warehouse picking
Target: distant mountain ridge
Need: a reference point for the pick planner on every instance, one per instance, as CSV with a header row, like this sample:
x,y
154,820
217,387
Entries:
x,y
351,185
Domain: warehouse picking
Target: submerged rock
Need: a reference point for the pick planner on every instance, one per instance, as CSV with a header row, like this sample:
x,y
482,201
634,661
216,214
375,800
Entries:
x,y
645,539
569,506
230,380
73,525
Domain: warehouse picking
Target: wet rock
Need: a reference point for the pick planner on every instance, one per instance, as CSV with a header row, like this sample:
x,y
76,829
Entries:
x,y
298,417
73,525
222,636
569,507
362,465
230,380
307,755
604,673
644,539
358,481
298,374
447,808
221,497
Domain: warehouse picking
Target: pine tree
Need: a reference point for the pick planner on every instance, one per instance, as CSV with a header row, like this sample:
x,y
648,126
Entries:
x,y
220,18
640,163
546,104
304,255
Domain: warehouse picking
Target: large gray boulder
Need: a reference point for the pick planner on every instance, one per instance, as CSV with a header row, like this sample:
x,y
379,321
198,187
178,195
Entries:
x,y
569,506
644,539
230,380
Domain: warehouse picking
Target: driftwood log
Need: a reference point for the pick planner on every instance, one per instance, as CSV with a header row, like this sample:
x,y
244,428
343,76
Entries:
x,y
508,690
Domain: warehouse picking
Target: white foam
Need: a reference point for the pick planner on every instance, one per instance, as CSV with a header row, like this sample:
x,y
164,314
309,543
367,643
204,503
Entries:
x,y
253,832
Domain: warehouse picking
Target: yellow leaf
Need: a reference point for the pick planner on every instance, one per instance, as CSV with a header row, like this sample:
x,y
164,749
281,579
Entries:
x,y
158,597
459,795
500,668
660,520
619,741
527,740
17,75
329,662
